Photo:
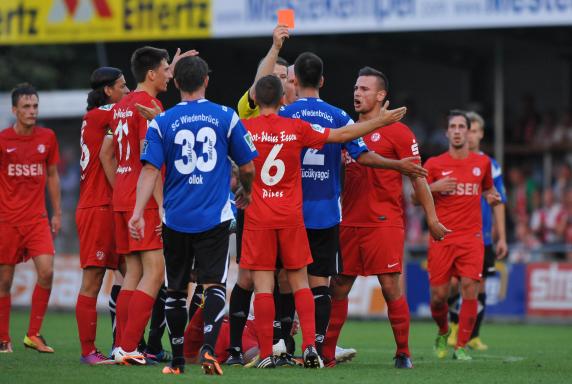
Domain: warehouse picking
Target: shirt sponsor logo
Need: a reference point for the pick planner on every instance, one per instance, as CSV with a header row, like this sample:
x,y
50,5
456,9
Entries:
x,y
476,171
25,169
376,136
315,175
265,137
122,113
123,170
415,148
465,189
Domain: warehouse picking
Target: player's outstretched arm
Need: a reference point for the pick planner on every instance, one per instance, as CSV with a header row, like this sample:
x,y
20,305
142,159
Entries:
x,y
425,199
267,64
147,112
53,182
145,187
178,56
353,131
108,160
408,166
246,174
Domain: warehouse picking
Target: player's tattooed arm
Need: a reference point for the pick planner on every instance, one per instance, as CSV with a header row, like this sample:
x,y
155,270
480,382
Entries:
x,y
145,188
108,160
53,182
267,64
353,131
243,193
425,199
408,166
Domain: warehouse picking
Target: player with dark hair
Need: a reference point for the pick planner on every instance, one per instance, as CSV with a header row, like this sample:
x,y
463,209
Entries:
x,y
321,182
372,233
194,140
94,213
28,161
476,134
461,253
274,223
144,259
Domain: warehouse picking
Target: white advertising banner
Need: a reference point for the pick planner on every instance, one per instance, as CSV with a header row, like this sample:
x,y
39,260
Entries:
x,y
238,18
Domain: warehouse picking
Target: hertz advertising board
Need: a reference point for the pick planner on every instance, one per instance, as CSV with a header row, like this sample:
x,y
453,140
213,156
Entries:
x,y
79,21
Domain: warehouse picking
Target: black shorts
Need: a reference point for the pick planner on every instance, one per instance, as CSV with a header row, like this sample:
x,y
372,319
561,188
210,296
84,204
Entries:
x,y
239,230
489,262
326,251
205,253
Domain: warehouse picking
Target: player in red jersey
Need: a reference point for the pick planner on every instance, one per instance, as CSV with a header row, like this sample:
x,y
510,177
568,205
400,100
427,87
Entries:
x,y
274,223
94,214
145,266
372,231
28,163
461,253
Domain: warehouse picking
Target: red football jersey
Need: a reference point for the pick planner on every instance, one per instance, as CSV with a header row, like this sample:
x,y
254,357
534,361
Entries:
x,y
94,189
129,128
24,160
277,188
373,197
460,211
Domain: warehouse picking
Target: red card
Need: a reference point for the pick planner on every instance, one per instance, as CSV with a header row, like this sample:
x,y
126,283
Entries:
x,y
286,17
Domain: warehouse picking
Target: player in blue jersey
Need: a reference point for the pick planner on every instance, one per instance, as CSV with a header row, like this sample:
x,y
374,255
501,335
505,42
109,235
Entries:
x,y
321,185
194,141
490,214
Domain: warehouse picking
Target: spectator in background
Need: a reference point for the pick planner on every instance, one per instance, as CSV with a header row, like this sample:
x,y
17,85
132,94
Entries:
x,y
547,221
521,196
563,180
568,223
523,131
545,131
563,131
526,244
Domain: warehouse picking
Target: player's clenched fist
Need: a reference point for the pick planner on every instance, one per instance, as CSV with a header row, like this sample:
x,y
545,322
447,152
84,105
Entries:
x,y
438,230
136,226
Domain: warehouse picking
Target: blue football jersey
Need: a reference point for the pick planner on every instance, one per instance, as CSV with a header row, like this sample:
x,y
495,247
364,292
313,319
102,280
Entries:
x,y
321,184
194,140
486,209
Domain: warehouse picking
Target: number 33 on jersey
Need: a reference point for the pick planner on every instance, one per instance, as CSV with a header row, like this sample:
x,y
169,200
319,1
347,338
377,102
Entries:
x,y
194,140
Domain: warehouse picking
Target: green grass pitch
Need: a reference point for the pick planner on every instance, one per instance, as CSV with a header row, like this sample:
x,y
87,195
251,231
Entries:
x,y
517,354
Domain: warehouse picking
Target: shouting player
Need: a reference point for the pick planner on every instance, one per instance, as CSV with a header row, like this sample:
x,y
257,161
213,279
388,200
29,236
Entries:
x,y
476,134
94,211
28,161
274,223
372,232
194,140
321,187
461,253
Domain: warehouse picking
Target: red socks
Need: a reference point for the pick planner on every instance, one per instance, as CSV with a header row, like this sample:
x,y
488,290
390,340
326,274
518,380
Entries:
x,y
337,319
40,299
5,305
305,307
440,315
263,319
121,313
86,316
140,308
467,319
194,336
398,313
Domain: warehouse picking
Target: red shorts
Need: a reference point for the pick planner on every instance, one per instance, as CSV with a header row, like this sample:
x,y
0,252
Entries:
x,y
125,244
371,250
19,243
460,256
261,247
96,237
